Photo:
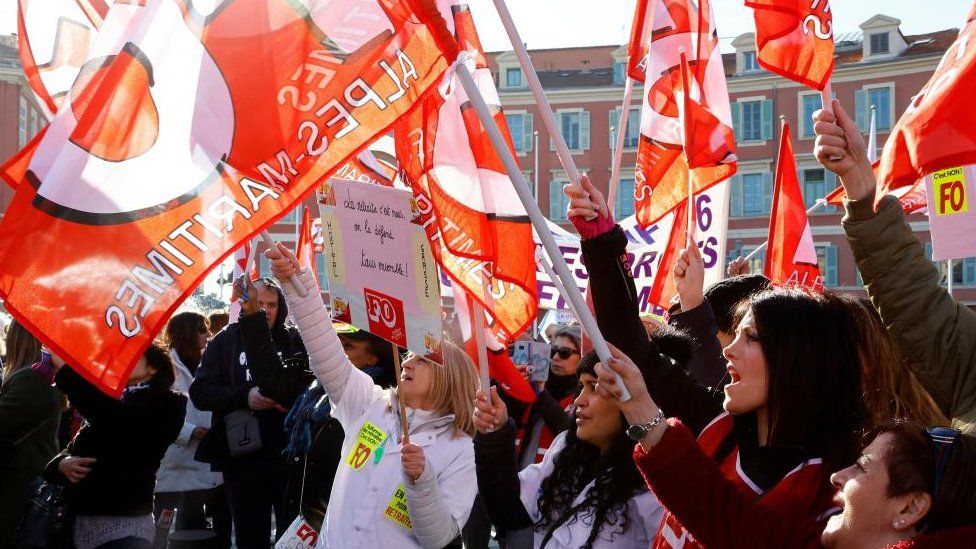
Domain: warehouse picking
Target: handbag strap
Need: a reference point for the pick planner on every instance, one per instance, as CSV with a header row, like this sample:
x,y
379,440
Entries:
x,y
31,432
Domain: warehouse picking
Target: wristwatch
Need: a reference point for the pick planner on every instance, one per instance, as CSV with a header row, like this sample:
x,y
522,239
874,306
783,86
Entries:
x,y
639,431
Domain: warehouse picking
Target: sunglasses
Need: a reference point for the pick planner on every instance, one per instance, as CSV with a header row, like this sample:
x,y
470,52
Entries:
x,y
563,352
942,439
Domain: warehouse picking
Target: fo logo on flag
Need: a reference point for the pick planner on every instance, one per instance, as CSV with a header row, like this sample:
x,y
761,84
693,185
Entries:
x,y
385,314
129,115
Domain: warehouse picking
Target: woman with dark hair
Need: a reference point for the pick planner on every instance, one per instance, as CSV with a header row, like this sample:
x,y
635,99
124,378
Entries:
x,y
539,423
183,483
911,486
30,411
586,492
891,389
110,466
792,411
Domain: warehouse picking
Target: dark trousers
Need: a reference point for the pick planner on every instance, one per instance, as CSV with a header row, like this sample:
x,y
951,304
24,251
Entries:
x,y
255,487
193,508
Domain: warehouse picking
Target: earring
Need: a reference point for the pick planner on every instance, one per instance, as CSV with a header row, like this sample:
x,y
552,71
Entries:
x,y
897,524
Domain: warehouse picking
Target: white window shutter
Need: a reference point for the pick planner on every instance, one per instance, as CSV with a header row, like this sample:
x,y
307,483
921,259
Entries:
x,y
584,126
767,188
861,115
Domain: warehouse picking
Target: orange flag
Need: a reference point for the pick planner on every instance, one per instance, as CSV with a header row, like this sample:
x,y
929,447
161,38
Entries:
x,y
795,39
168,152
791,258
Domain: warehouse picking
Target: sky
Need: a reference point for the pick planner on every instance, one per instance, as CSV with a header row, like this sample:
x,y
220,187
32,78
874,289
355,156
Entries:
x,y
565,23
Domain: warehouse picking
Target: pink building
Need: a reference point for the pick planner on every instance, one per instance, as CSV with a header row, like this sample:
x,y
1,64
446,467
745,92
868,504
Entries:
x,y
878,67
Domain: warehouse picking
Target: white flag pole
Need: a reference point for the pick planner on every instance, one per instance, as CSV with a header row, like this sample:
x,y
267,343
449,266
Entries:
x,y
535,214
478,327
618,150
296,282
545,110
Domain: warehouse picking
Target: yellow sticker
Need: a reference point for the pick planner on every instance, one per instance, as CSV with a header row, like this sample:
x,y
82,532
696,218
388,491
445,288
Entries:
x,y
397,509
370,438
949,188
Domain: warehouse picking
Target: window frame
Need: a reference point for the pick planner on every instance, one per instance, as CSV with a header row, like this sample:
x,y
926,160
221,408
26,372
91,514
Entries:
x,y
509,71
868,88
887,43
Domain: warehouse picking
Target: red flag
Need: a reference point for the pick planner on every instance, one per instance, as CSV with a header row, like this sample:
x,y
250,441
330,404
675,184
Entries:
x,y
134,189
664,289
791,258
477,226
662,165
795,39
938,129
305,248
500,365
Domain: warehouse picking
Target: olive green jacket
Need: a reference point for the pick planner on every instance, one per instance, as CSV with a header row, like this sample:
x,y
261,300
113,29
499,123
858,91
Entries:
x,y
928,326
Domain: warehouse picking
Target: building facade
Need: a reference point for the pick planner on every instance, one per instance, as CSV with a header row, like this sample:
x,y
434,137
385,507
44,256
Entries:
x,y
877,68
21,116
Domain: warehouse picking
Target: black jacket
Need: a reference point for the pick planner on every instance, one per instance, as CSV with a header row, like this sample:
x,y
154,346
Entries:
x,y
672,388
127,438
227,372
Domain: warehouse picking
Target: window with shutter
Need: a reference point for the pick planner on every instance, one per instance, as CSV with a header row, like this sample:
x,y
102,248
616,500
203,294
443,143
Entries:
x,y
814,186
880,98
810,104
625,198
557,200
767,193
516,126
752,121
767,119
752,194
879,43
735,197
584,131
861,107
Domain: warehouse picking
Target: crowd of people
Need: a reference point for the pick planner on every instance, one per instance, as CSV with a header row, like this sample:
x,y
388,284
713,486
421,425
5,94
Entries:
x,y
759,416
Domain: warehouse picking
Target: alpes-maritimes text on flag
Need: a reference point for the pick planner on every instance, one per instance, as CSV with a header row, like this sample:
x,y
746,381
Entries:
x,y
168,152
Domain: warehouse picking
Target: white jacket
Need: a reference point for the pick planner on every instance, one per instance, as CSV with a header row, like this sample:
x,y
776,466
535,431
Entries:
x,y
373,504
179,472
644,511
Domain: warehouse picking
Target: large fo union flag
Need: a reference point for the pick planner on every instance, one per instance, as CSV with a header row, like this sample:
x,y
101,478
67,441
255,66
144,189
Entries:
x,y
188,129
662,31
477,226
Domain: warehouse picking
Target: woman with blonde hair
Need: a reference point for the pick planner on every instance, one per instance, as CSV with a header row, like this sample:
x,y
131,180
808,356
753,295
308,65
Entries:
x,y
388,491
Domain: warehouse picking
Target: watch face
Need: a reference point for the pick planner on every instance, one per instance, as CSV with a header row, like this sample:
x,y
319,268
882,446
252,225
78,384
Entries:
x,y
636,432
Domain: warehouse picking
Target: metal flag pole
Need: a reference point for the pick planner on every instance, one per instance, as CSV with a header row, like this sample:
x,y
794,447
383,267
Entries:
x,y
535,214
478,331
618,150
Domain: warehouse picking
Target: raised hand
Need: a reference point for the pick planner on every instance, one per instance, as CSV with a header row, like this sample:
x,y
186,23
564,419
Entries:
x,y
283,262
489,417
640,408
840,148
413,460
689,277
587,210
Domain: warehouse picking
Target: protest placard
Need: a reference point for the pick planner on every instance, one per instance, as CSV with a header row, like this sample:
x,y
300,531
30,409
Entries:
x,y
952,216
382,275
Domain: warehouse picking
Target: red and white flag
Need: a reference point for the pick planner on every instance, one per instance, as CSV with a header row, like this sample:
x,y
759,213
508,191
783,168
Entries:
x,y
795,39
477,226
791,258
500,365
305,247
664,289
167,153
662,31
53,39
